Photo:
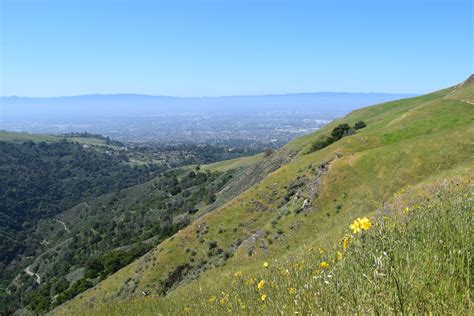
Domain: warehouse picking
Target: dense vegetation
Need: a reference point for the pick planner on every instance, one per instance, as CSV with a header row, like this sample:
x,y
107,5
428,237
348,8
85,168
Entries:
x,y
340,131
188,154
79,198
114,230
107,140
43,179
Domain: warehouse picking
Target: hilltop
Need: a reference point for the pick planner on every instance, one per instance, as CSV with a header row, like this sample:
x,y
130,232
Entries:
x,y
297,203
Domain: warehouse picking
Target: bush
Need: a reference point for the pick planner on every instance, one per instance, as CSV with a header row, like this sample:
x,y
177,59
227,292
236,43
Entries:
x,y
337,133
359,125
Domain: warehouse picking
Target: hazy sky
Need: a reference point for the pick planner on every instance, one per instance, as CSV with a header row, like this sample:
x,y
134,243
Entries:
x,y
211,48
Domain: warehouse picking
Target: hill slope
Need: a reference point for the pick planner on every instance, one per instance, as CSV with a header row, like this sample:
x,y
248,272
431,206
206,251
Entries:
x,y
76,199
409,145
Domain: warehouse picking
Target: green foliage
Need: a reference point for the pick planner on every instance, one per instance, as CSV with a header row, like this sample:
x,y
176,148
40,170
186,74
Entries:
x,y
116,239
114,260
337,133
359,125
59,286
39,300
78,287
43,179
94,266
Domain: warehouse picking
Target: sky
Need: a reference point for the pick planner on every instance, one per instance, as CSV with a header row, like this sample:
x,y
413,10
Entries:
x,y
217,48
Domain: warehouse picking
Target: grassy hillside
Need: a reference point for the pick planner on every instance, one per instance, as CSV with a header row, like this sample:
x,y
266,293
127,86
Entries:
x,y
22,137
223,166
409,145
415,261
91,140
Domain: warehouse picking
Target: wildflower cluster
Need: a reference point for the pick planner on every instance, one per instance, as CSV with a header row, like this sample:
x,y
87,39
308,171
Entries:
x,y
360,224
322,271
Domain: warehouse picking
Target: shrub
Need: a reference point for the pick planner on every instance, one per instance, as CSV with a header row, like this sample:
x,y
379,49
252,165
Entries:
x,y
337,133
359,125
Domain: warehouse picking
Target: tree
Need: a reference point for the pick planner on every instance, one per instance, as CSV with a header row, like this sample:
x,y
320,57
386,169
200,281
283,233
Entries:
x,y
93,267
359,125
339,131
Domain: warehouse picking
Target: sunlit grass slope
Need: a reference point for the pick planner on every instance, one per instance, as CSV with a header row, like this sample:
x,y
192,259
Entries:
x,y
24,137
310,200
415,261
223,166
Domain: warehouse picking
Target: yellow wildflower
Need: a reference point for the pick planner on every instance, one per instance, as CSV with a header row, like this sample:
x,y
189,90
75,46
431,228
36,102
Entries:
x,y
355,226
238,274
291,291
365,223
339,256
324,265
263,297
261,284
266,264
345,242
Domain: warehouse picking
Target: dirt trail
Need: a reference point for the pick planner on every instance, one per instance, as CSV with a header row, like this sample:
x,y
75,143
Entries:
x,y
64,225
466,101
31,273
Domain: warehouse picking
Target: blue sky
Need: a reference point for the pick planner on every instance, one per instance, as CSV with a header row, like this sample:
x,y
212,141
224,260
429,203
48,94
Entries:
x,y
213,48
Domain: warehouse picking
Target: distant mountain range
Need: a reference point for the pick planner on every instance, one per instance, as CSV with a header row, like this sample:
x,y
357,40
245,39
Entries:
x,y
329,103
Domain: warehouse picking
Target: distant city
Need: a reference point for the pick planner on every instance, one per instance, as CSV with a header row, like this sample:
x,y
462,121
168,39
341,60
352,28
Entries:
x,y
257,130
237,121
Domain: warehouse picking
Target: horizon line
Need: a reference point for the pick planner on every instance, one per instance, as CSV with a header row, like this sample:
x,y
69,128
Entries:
x,y
204,97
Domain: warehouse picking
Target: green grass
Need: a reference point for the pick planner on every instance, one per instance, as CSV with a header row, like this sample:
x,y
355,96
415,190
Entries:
x,y
406,143
23,137
417,261
89,141
465,92
223,166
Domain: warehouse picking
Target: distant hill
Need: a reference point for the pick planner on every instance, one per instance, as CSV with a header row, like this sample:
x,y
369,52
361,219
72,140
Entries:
x,y
86,106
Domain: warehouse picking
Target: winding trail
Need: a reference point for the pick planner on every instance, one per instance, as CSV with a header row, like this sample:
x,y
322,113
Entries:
x,y
28,269
466,101
31,273
64,224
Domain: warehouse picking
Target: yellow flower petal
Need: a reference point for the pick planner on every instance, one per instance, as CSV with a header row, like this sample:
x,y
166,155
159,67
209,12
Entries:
x,y
324,265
